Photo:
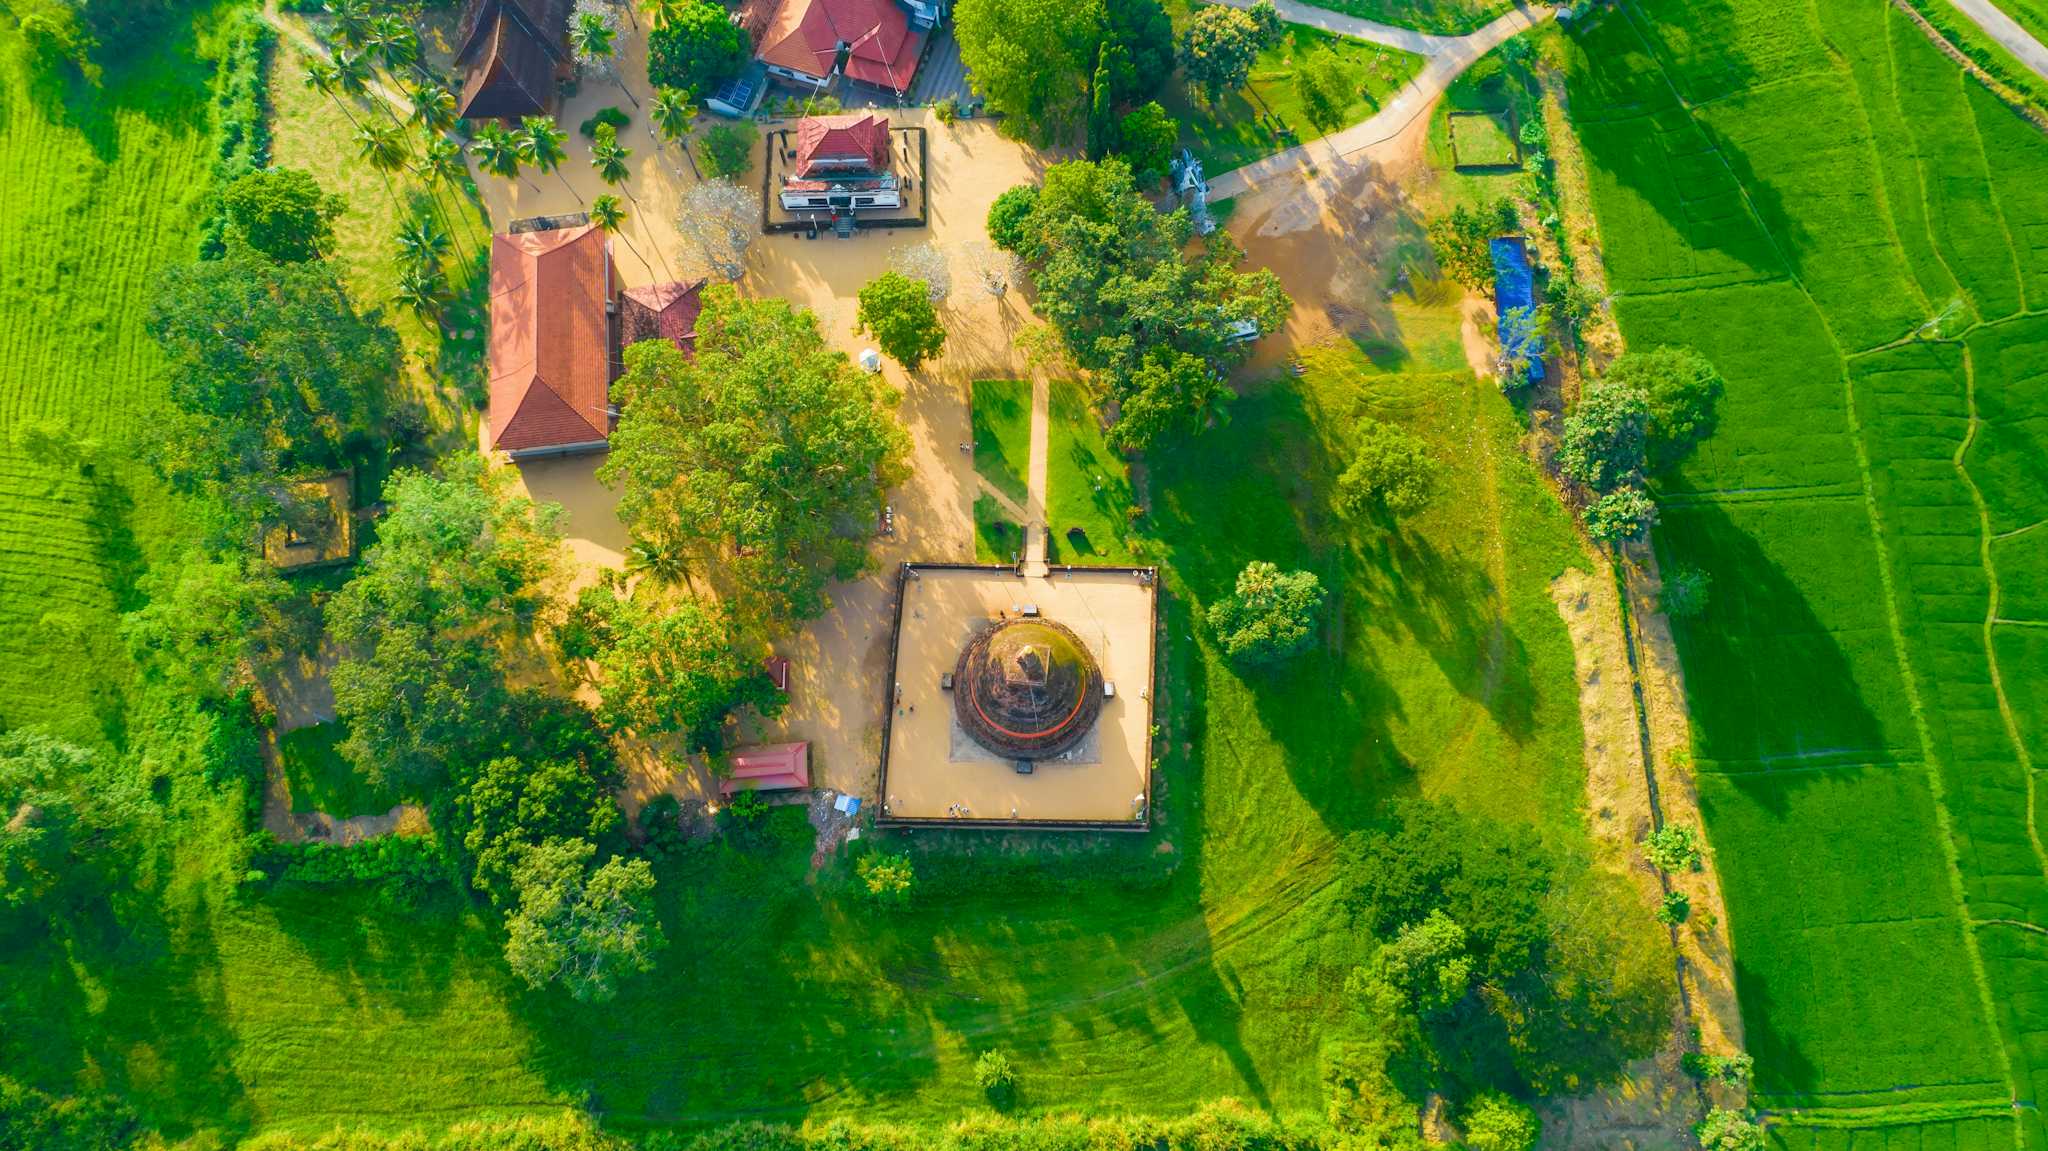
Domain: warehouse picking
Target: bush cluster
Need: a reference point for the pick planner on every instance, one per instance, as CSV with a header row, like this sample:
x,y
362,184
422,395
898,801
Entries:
x,y
402,867
241,115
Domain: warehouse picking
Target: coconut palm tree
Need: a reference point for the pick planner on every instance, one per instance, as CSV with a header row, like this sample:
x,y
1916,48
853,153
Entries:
x,y
325,78
668,119
422,243
668,565
441,166
351,74
595,38
382,147
610,216
394,42
433,106
540,145
609,158
351,22
498,150
423,290
663,11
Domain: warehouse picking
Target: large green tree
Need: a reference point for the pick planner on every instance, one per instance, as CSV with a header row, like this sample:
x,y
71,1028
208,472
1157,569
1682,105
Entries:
x,y
667,667
1680,389
581,926
206,618
696,46
1131,298
1218,48
762,459
1049,65
273,373
460,571
1271,615
513,803
282,213
1606,436
1392,469
898,311
69,819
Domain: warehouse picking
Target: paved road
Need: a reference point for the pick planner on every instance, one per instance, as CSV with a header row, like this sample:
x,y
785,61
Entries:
x,y
1449,56
2003,29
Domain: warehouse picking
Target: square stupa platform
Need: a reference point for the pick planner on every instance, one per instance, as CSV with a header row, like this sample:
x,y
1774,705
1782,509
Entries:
x,y
935,772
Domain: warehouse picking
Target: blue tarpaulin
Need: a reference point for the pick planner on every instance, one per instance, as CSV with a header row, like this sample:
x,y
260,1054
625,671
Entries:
x,y
1514,286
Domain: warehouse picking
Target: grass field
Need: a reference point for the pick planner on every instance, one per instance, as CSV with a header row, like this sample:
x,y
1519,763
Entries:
x,y
1446,16
322,780
1086,485
1144,973
1485,88
104,188
1266,116
1481,139
1001,414
1797,192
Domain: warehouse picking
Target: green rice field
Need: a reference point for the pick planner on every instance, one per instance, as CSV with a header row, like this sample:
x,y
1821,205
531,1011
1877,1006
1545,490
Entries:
x,y
1857,235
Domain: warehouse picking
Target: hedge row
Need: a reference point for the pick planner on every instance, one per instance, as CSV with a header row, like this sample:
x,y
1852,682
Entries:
x,y
241,117
405,860
1223,1126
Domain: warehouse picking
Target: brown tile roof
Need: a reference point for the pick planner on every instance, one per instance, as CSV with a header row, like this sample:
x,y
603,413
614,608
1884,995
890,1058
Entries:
x,y
661,312
805,35
550,339
830,141
511,53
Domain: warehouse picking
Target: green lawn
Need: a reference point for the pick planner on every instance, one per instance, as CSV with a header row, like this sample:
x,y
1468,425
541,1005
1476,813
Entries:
x,y
321,780
1482,139
1867,683
105,187
1266,116
1485,87
997,537
1086,485
1452,17
1001,412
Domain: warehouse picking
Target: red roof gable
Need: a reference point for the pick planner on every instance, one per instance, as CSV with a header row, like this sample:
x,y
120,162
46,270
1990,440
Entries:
x,y
857,138
661,312
511,52
770,767
550,348
805,35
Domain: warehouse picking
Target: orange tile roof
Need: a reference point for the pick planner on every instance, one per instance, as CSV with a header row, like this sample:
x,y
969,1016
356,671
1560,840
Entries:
x,y
859,136
769,767
805,35
550,358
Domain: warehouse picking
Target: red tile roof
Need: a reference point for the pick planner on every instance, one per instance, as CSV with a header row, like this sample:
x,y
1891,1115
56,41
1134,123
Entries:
x,y
805,35
511,53
855,139
769,767
661,311
550,347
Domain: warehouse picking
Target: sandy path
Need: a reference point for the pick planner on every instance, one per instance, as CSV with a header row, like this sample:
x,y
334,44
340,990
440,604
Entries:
x,y
2004,29
1449,56
1034,483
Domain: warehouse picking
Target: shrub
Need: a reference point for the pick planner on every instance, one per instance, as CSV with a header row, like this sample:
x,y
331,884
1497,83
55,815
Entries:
x,y
697,47
1685,592
1676,908
947,110
1620,516
997,1078
1724,1130
1392,469
728,149
1009,220
747,807
1734,1070
1673,848
1271,615
1498,1122
887,877
1605,435
661,827
615,117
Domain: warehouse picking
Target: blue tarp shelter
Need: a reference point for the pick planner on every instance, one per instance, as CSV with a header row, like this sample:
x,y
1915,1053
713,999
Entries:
x,y
1514,286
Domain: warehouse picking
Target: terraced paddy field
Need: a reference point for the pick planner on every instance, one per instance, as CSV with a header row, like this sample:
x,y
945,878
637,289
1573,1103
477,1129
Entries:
x,y
101,189
1858,236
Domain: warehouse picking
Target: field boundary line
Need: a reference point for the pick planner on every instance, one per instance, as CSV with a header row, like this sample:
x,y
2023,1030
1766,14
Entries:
x,y
2005,712
2006,93
1944,820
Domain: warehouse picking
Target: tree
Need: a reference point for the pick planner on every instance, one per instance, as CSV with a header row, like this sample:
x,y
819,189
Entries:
x,y
1462,242
669,115
1392,469
887,877
273,373
594,35
1604,437
1143,33
729,148
718,221
610,158
697,47
460,571
70,820
1271,615
660,668
512,804
898,311
1680,388
433,107
994,269
927,264
1121,285
1724,1130
610,217
764,458
54,443
1494,1121
1028,59
282,213
1686,592
1426,967
1010,220
382,147
421,244
1673,847
1171,393
1218,48
1621,515
996,1075
206,619
540,146
1328,86
497,150
582,927
1148,137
